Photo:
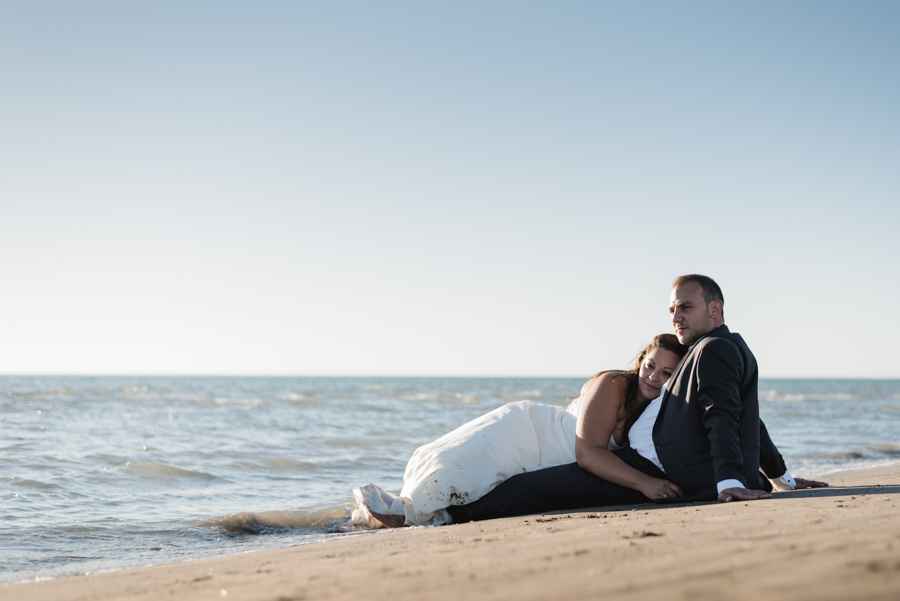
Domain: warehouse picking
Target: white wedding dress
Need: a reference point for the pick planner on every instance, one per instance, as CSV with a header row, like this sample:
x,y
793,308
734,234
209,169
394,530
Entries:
x,y
466,464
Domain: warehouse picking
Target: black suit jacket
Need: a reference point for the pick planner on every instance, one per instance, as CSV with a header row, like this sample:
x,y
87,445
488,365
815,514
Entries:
x,y
708,429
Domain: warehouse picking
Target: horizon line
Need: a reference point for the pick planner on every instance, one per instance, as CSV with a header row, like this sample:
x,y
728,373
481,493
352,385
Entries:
x,y
401,376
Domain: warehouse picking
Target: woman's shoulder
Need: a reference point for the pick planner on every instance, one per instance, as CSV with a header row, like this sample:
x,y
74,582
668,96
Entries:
x,y
615,377
608,381
607,389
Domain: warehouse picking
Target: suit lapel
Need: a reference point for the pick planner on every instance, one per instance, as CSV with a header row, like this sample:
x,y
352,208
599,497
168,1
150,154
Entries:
x,y
722,329
675,376
675,379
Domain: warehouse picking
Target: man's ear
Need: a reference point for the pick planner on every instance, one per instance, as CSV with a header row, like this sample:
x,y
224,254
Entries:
x,y
715,309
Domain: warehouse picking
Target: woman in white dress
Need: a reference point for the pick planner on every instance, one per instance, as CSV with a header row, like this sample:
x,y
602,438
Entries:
x,y
466,464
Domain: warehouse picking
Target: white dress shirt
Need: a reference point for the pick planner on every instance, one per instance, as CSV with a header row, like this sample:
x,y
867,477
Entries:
x,y
640,437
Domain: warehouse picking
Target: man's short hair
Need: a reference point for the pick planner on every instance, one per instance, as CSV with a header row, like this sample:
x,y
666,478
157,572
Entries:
x,y
711,290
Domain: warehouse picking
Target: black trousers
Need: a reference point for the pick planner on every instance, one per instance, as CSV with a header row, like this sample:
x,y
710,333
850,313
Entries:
x,y
562,487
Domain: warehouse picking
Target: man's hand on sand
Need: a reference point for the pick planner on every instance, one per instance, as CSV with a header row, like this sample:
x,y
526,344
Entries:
x,y
803,483
742,494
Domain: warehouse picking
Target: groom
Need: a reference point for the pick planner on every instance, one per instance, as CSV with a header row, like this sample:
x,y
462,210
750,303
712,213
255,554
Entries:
x,y
703,432
705,429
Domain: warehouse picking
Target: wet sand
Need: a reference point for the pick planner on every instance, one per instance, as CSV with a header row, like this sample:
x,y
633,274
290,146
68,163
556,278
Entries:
x,y
841,542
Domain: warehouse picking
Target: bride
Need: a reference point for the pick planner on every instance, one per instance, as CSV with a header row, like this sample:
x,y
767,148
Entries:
x,y
466,464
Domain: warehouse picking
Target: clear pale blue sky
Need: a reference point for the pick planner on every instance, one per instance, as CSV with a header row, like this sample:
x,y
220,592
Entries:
x,y
459,188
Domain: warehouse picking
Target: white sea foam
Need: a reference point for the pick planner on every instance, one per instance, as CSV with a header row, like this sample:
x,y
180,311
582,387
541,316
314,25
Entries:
x,y
298,398
419,396
808,468
774,395
230,401
465,399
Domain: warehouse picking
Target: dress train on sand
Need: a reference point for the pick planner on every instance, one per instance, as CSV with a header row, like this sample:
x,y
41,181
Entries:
x,y
467,463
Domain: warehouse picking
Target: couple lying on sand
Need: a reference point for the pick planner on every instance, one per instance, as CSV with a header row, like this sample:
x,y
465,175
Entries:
x,y
682,425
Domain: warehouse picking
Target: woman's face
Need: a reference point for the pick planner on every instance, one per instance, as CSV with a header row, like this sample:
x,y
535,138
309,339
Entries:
x,y
655,370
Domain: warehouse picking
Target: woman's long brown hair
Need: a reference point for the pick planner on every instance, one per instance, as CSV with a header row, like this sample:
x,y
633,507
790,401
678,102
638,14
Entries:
x,y
634,408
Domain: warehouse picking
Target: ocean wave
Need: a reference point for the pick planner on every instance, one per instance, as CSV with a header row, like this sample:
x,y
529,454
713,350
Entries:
x,y
134,389
39,394
281,463
230,401
887,448
79,528
325,520
192,399
522,394
419,396
221,400
151,469
275,464
465,399
374,407
774,395
873,451
843,455
357,443
816,468
35,484
299,398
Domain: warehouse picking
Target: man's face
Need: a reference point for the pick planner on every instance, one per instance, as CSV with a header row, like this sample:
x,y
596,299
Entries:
x,y
690,313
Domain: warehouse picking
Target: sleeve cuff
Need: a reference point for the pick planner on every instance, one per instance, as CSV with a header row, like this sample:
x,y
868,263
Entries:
x,y
783,483
732,483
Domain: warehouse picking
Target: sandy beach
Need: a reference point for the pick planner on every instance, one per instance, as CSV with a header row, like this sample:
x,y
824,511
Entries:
x,y
842,542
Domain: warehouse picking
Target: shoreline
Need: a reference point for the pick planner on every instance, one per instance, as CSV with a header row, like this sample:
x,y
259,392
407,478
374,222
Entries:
x,y
834,543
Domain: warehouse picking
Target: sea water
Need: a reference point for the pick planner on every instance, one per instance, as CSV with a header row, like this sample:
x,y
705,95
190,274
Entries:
x,y
100,473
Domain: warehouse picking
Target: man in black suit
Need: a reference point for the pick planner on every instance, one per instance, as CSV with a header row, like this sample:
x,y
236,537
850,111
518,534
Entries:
x,y
707,433
703,433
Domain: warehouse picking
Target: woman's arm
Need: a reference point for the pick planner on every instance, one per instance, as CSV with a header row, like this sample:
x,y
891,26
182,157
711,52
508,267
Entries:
x,y
604,400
